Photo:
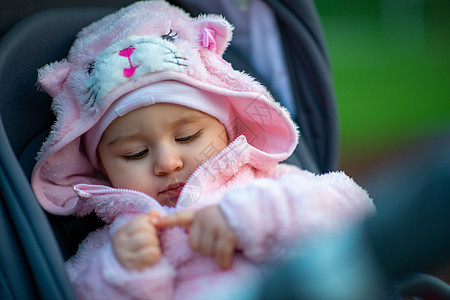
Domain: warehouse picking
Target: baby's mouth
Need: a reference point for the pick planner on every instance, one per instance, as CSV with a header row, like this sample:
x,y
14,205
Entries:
x,y
172,190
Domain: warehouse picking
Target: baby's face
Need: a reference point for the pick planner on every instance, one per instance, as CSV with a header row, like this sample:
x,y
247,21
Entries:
x,y
156,148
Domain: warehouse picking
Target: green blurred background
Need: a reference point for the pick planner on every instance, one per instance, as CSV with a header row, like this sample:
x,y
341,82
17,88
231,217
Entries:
x,y
390,61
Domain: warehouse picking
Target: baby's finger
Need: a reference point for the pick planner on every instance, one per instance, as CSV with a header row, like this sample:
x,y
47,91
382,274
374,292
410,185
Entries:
x,y
183,218
138,223
153,215
224,252
143,239
195,237
201,240
143,258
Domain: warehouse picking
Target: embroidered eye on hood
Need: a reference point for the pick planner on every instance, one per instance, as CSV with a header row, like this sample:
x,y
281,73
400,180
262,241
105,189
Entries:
x,y
169,36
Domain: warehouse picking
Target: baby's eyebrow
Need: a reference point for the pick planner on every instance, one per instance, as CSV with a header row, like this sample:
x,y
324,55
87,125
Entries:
x,y
187,118
121,139
191,117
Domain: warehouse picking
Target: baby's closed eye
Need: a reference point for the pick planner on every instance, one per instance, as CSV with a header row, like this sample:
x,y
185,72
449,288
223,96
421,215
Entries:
x,y
189,138
136,156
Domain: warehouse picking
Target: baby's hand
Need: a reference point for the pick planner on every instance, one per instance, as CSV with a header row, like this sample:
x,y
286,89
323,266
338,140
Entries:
x,y
136,244
209,233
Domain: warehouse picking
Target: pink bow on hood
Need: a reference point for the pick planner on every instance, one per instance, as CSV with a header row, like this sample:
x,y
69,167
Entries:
x,y
140,45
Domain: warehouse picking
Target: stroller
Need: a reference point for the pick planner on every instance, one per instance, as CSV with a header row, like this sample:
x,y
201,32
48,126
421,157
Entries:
x,y
35,244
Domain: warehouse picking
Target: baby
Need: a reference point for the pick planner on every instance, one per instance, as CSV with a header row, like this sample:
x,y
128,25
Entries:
x,y
180,155
155,149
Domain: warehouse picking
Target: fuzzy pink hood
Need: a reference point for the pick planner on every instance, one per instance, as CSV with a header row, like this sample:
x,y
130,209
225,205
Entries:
x,y
146,43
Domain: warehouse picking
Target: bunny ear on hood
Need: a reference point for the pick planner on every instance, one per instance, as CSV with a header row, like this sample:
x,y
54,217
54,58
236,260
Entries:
x,y
145,44
51,77
216,33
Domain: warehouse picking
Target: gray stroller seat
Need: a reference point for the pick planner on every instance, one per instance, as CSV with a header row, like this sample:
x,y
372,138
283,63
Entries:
x,y
35,244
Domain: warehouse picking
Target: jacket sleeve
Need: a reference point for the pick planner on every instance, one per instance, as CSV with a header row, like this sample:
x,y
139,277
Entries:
x,y
268,214
96,273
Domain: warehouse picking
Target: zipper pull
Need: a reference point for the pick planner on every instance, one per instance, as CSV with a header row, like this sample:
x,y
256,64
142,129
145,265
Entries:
x,y
81,192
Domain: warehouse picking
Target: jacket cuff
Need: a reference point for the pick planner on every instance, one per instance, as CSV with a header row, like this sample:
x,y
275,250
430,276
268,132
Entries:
x,y
156,280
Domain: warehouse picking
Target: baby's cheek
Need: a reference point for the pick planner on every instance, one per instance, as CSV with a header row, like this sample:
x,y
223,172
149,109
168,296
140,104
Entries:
x,y
134,176
123,178
209,150
137,183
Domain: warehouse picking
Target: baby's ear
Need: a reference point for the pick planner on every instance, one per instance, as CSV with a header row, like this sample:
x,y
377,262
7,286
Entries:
x,y
215,33
51,77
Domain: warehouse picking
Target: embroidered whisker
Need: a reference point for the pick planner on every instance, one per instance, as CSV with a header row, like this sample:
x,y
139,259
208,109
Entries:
x,y
176,63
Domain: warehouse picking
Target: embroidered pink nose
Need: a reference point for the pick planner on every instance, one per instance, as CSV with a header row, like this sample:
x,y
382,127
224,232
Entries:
x,y
127,52
128,72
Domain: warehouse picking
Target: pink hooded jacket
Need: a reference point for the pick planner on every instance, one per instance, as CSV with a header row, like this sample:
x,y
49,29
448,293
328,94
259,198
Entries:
x,y
267,204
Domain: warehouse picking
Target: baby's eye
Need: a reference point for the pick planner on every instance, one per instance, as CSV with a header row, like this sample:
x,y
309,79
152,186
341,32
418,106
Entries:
x,y
189,138
136,156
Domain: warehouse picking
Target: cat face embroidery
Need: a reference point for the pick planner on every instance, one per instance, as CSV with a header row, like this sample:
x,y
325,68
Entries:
x,y
130,59
144,39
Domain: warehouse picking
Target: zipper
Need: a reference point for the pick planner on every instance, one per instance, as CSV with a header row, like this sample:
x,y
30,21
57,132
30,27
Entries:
x,y
108,190
208,162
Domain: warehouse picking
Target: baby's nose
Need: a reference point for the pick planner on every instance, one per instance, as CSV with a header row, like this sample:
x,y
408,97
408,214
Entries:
x,y
167,162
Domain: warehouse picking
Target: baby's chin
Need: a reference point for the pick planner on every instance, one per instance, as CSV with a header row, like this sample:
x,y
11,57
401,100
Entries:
x,y
165,200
